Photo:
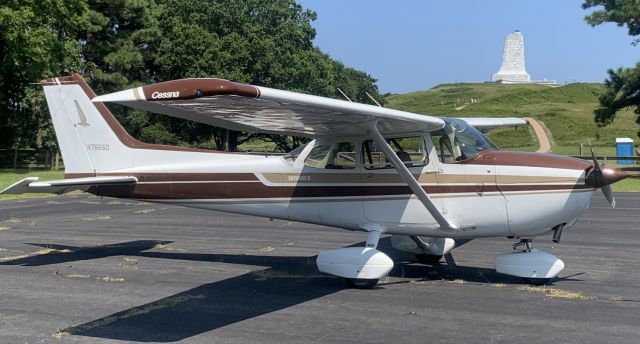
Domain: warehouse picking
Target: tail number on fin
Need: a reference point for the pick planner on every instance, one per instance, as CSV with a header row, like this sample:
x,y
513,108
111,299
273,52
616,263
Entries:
x,y
97,146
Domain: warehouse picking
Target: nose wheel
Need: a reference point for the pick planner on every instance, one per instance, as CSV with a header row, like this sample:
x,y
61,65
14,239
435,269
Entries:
x,y
534,266
537,281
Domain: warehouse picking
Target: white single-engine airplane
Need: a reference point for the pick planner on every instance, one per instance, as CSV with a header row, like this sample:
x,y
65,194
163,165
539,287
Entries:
x,y
425,180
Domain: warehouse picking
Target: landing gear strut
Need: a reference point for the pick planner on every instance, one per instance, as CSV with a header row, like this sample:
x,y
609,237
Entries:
x,y
526,242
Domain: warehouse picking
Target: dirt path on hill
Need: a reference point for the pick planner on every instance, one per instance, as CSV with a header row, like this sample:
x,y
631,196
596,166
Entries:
x,y
543,139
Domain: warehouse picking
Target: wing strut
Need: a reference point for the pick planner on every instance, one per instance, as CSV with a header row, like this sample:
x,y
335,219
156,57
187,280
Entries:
x,y
445,224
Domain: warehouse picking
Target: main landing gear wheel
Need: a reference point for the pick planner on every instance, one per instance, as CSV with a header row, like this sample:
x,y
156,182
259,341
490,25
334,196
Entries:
x,y
362,283
428,259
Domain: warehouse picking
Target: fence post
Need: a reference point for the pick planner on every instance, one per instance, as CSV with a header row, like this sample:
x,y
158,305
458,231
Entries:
x,y
15,158
57,164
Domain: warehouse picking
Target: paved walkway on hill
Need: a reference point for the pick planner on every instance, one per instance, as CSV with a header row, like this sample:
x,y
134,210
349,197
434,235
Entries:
x,y
543,139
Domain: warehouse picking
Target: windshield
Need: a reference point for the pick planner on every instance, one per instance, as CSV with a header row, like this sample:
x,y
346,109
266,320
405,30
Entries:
x,y
459,141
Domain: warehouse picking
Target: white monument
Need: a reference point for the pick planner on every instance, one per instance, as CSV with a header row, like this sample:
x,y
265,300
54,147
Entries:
x,y
512,69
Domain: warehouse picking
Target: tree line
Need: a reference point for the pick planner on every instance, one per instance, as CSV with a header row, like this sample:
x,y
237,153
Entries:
x,y
118,44
623,83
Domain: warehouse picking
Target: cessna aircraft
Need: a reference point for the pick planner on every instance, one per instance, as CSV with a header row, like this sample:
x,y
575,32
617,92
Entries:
x,y
427,181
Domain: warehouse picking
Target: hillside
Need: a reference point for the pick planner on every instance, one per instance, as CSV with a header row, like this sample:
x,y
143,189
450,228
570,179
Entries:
x,y
566,111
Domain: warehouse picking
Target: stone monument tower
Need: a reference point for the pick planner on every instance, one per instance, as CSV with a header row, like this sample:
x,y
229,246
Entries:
x,y
512,69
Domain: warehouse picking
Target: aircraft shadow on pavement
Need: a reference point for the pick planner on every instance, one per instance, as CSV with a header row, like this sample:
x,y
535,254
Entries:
x,y
65,253
285,282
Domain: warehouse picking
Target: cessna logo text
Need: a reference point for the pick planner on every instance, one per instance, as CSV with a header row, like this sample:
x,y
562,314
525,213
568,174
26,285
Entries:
x,y
160,95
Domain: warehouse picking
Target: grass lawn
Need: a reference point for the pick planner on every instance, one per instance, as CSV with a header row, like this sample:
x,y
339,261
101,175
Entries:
x,y
627,185
8,177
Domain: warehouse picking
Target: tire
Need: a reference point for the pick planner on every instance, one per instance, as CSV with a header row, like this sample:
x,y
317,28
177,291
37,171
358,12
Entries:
x,y
537,281
362,283
428,259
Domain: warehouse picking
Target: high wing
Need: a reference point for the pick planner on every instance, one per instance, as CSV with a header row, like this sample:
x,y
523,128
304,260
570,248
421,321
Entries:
x,y
243,107
487,124
32,185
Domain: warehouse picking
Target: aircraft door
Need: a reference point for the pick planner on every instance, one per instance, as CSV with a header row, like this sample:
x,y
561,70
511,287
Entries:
x,y
327,186
467,188
388,199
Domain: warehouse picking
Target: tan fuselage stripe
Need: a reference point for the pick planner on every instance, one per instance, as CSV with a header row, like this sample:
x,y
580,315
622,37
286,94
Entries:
x,y
375,178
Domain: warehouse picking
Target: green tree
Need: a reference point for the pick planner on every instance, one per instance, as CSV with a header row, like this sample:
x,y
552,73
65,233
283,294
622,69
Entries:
x,y
623,84
119,43
267,43
37,41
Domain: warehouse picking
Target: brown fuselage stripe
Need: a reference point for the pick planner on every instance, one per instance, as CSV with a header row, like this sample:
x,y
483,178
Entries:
x,y
244,185
203,190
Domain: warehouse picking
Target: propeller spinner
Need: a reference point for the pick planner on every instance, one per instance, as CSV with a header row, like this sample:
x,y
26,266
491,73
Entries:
x,y
602,178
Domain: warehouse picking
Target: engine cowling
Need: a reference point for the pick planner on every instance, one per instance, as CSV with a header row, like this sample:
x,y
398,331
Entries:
x,y
355,263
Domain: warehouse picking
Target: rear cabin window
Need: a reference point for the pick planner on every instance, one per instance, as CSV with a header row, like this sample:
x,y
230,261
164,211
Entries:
x,y
341,155
411,150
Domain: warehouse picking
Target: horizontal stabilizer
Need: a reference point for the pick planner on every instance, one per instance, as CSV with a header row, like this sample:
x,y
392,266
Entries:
x,y
32,185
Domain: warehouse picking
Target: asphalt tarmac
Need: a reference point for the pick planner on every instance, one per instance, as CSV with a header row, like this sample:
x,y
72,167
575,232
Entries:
x,y
79,269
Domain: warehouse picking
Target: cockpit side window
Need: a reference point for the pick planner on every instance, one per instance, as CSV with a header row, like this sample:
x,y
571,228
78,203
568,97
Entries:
x,y
411,150
341,155
444,147
459,141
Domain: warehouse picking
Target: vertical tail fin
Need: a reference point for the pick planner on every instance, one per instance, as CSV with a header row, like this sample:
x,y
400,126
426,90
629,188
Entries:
x,y
91,140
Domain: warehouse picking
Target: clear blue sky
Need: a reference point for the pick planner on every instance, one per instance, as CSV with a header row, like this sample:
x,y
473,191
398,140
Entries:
x,y
414,45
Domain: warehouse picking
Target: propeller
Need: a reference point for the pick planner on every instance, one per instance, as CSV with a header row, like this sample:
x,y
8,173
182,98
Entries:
x,y
604,178
606,189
